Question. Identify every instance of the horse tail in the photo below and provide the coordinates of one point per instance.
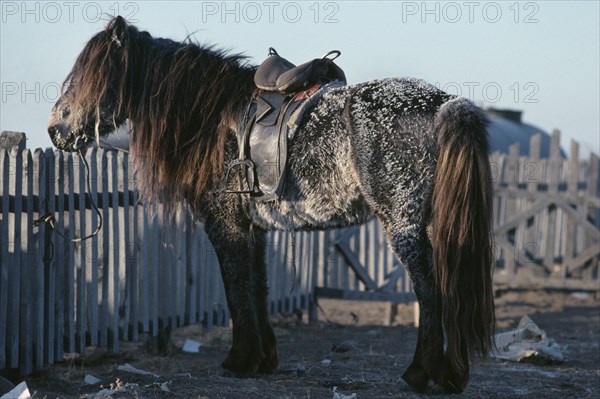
(462, 231)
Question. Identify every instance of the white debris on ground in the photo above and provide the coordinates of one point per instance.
(527, 342)
(91, 379)
(164, 386)
(19, 392)
(191, 346)
(118, 387)
(130, 369)
(339, 395)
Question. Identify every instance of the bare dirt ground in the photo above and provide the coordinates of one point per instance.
(371, 368)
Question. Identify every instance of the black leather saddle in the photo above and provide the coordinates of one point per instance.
(284, 92)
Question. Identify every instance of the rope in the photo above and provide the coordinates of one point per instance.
(50, 220)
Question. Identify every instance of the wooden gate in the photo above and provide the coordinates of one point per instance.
(359, 265)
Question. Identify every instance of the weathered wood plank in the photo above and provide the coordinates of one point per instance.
(552, 179)
(207, 286)
(145, 284)
(80, 255)
(155, 271)
(60, 247)
(579, 261)
(122, 315)
(122, 243)
(373, 255)
(592, 211)
(104, 276)
(355, 265)
(27, 270)
(6, 173)
(39, 232)
(535, 283)
(573, 179)
(533, 176)
(70, 287)
(180, 268)
(299, 290)
(191, 287)
(135, 263)
(91, 265)
(113, 255)
(512, 205)
(14, 241)
(394, 297)
(50, 262)
(550, 197)
(514, 221)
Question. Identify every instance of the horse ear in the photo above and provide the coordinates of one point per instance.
(119, 28)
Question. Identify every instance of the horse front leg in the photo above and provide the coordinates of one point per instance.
(269, 362)
(238, 253)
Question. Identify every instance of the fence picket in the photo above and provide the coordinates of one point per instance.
(91, 264)
(59, 251)
(27, 269)
(533, 231)
(70, 272)
(569, 232)
(121, 310)
(513, 169)
(38, 274)
(5, 172)
(80, 262)
(592, 192)
(14, 237)
(154, 272)
(50, 261)
(552, 176)
(105, 238)
(134, 254)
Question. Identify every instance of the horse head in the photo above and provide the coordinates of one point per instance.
(91, 103)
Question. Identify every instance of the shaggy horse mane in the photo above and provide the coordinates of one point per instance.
(179, 97)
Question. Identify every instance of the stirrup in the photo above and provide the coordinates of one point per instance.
(248, 169)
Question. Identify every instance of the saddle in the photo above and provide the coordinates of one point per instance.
(284, 92)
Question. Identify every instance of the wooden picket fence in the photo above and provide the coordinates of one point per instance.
(547, 222)
(140, 274)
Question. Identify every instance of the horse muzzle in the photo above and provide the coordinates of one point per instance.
(63, 136)
(64, 139)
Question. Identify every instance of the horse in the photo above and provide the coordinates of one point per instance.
(398, 149)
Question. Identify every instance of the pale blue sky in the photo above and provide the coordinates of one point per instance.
(542, 57)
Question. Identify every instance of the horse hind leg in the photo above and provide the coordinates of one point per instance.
(414, 250)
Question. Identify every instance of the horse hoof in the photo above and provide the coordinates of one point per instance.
(269, 364)
(242, 363)
(416, 377)
(453, 382)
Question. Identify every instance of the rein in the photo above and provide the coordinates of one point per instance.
(49, 218)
